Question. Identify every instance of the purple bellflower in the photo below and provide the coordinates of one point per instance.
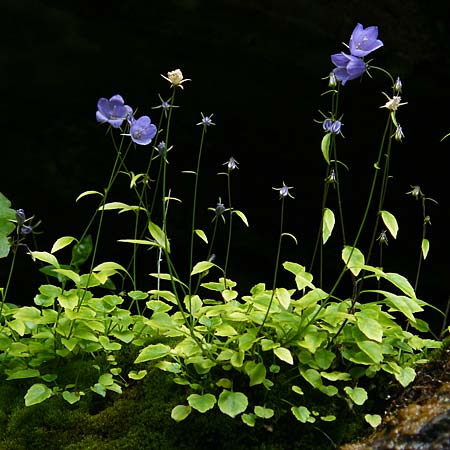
(113, 111)
(142, 131)
(348, 67)
(364, 40)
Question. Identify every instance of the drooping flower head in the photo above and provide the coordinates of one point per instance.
(364, 40)
(142, 131)
(348, 67)
(113, 111)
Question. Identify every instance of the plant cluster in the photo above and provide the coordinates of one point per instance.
(255, 356)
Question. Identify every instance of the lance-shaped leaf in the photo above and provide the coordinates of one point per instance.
(391, 223)
(328, 222)
(159, 236)
(325, 146)
(425, 248)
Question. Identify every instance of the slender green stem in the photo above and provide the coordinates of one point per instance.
(194, 209)
(277, 262)
(230, 227)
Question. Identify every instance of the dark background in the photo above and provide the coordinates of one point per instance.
(259, 67)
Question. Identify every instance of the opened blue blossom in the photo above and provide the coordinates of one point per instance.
(348, 67)
(364, 40)
(113, 111)
(142, 131)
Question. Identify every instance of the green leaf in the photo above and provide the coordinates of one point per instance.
(232, 403)
(71, 397)
(18, 374)
(325, 146)
(264, 413)
(37, 394)
(180, 412)
(372, 350)
(61, 243)
(425, 248)
(284, 354)
(249, 419)
(241, 215)
(374, 420)
(401, 282)
(369, 326)
(152, 351)
(283, 296)
(202, 403)
(391, 223)
(302, 414)
(201, 234)
(328, 222)
(405, 376)
(202, 266)
(357, 394)
(256, 372)
(46, 257)
(353, 259)
(159, 236)
(85, 193)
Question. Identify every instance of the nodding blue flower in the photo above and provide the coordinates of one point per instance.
(364, 40)
(382, 238)
(161, 147)
(231, 164)
(112, 111)
(336, 127)
(348, 67)
(26, 229)
(327, 124)
(142, 131)
(332, 126)
(165, 106)
(20, 217)
(284, 191)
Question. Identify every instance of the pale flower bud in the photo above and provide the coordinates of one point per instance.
(175, 77)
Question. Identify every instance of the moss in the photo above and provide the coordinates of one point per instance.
(140, 419)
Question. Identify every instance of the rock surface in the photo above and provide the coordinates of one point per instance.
(419, 419)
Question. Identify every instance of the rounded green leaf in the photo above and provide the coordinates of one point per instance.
(37, 394)
(202, 266)
(357, 394)
(302, 414)
(180, 412)
(232, 403)
(369, 326)
(373, 420)
(353, 259)
(264, 413)
(202, 403)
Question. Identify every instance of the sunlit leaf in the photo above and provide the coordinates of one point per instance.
(180, 412)
(202, 403)
(425, 248)
(328, 224)
(232, 403)
(374, 420)
(201, 234)
(357, 394)
(391, 223)
(37, 394)
(353, 259)
(61, 243)
(325, 146)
